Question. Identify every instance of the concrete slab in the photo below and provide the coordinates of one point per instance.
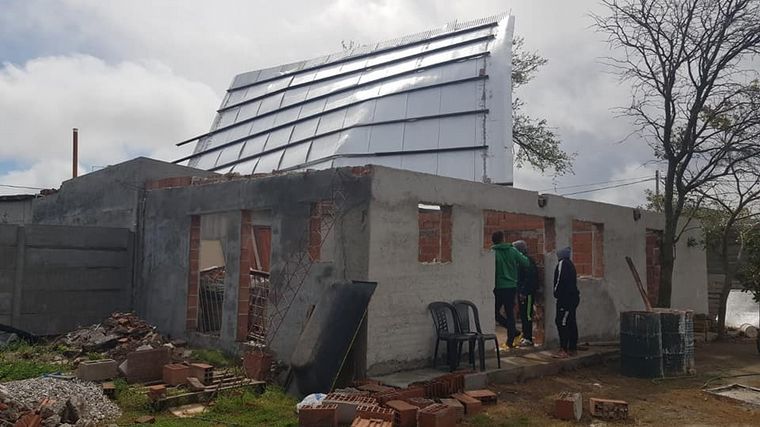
(513, 368)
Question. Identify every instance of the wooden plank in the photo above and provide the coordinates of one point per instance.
(639, 285)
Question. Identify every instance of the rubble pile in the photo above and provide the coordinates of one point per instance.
(118, 335)
(54, 402)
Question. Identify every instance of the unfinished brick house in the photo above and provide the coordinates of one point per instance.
(421, 237)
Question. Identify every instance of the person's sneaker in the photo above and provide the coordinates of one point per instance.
(526, 343)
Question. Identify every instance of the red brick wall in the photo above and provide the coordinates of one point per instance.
(193, 277)
(244, 278)
(654, 239)
(320, 211)
(588, 248)
(178, 181)
(435, 235)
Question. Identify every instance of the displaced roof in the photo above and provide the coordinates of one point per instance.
(437, 102)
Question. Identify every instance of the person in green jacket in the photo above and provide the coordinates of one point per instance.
(508, 262)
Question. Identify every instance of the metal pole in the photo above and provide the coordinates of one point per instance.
(75, 158)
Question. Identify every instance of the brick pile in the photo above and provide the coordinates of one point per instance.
(116, 336)
(441, 402)
(325, 415)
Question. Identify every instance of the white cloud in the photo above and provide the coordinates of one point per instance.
(122, 110)
(137, 79)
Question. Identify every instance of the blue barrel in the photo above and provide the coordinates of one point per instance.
(677, 342)
(640, 344)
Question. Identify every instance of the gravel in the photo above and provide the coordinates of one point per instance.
(87, 397)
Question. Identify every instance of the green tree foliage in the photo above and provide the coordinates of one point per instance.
(539, 144)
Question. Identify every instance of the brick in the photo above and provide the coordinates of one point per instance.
(436, 415)
(156, 392)
(175, 373)
(568, 406)
(362, 422)
(608, 409)
(406, 414)
(325, 415)
(374, 412)
(455, 406)
(471, 405)
(202, 371)
(147, 365)
(109, 389)
(97, 370)
(486, 397)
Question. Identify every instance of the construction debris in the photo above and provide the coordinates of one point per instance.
(116, 336)
(49, 401)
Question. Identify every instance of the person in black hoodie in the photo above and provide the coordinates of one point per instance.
(568, 297)
(527, 283)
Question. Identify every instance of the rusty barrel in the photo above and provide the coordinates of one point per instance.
(640, 344)
(677, 328)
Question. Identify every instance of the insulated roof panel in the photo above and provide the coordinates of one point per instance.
(419, 102)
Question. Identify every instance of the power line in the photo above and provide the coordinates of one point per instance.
(592, 183)
(609, 187)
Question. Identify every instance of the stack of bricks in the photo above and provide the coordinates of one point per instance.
(442, 386)
(325, 415)
(400, 394)
(471, 405)
(375, 388)
(419, 402)
(608, 409)
(347, 405)
(406, 414)
(486, 397)
(374, 412)
(568, 406)
(437, 415)
(455, 406)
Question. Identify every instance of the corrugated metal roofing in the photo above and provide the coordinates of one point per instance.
(437, 102)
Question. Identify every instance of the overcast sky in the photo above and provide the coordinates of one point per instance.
(138, 76)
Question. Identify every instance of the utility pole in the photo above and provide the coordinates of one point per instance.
(657, 183)
(75, 153)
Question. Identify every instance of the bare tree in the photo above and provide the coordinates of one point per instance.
(687, 61)
(730, 221)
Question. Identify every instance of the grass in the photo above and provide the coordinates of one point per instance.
(273, 408)
(213, 357)
(21, 360)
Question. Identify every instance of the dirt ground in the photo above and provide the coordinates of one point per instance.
(669, 402)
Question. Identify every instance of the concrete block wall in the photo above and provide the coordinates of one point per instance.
(288, 201)
(400, 329)
(55, 278)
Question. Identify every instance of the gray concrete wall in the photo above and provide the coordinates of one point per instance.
(54, 278)
(109, 197)
(400, 329)
(15, 209)
(162, 291)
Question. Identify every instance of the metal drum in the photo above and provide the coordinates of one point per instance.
(677, 342)
(640, 344)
